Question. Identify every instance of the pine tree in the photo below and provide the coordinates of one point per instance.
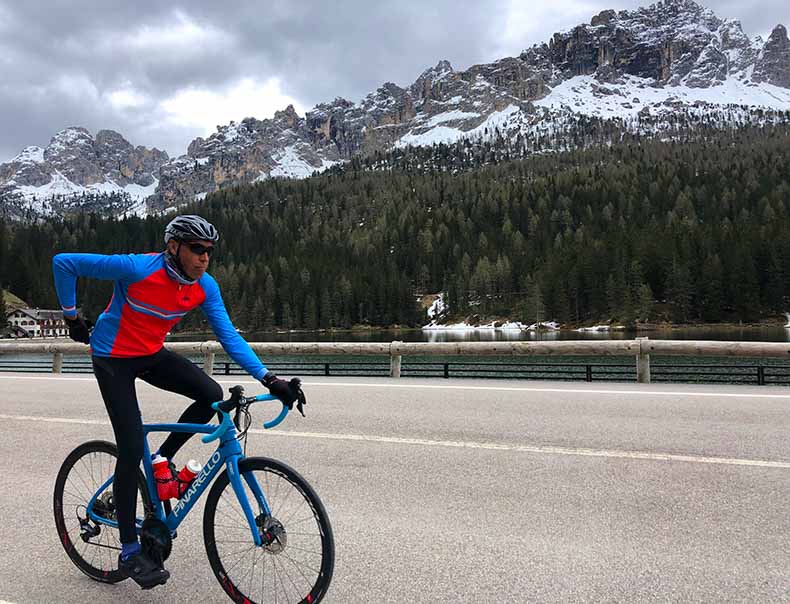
(679, 291)
(310, 313)
(712, 289)
(3, 308)
(644, 306)
(533, 307)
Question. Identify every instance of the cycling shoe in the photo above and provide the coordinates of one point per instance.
(145, 572)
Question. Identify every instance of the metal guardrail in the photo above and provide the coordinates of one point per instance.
(640, 348)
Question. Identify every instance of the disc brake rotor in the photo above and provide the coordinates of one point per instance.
(273, 534)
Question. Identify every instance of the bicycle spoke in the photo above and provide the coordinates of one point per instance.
(301, 549)
(301, 534)
(288, 575)
(235, 527)
(237, 515)
(282, 505)
(88, 488)
(243, 555)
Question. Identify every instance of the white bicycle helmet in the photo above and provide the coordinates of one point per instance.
(190, 227)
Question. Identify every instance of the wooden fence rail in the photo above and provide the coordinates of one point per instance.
(640, 348)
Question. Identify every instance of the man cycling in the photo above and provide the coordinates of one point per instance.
(152, 292)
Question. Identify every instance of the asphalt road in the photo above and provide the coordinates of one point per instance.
(461, 490)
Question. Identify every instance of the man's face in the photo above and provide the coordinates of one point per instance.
(193, 255)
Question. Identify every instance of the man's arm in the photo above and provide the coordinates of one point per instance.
(231, 341)
(67, 267)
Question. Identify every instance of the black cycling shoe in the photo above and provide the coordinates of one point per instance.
(145, 572)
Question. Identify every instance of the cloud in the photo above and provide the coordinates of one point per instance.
(162, 73)
(198, 108)
(182, 35)
(126, 98)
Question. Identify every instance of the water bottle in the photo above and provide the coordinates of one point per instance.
(164, 479)
(187, 475)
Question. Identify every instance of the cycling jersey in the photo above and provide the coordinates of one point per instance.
(145, 305)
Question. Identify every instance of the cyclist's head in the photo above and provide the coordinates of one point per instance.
(190, 241)
(190, 227)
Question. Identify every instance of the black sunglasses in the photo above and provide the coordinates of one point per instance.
(199, 250)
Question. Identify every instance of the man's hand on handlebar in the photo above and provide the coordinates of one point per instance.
(79, 329)
(288, 392)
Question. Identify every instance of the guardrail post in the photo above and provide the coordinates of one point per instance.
(208, 362)
(642, 364)
(57, 362)
(589, 373)
(395, 361)
(760, 375)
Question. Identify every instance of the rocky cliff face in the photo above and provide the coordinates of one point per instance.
(631, 65)
(637, 68)
(773, 63)
(76, 163)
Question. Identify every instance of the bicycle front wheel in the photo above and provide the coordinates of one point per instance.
(295, 562)
(93, 546)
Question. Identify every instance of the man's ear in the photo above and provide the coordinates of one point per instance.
(172, 245)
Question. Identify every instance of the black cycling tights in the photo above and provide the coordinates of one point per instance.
(165, 370)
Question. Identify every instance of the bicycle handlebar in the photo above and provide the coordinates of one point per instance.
(236, 399)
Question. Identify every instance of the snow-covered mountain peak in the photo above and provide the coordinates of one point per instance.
(30, 155)
(74, 163)
(663, 69)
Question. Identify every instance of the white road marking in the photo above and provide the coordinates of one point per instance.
(491, 388)
(544, 450)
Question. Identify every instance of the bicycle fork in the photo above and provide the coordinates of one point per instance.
(235, 477)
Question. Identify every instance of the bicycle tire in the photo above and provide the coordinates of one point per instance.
(79, 493)
(302, 588)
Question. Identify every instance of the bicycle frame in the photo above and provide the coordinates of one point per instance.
(228, 453)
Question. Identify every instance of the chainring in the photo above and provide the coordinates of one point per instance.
(155, 539)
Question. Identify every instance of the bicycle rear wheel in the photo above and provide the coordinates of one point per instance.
(295, 562)
(92, 546)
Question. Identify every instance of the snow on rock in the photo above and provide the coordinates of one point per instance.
(585, 95)
(544, 325)
(437, 308)
(600, 328)
(434, 136)
(291, 165)
(449, 116)
(33, 154)
(464, 326)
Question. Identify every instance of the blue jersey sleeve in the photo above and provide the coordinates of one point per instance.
(231, 341)
(67, 267)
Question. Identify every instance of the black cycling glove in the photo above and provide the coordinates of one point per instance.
(79, 329)
(288, 392)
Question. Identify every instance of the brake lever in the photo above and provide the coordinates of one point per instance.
(301, 401)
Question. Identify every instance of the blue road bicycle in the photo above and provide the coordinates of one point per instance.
(266, 532)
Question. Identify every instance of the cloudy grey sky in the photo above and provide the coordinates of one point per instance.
(163, 73)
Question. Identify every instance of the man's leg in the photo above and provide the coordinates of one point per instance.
(174, 373)
(116, 382)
